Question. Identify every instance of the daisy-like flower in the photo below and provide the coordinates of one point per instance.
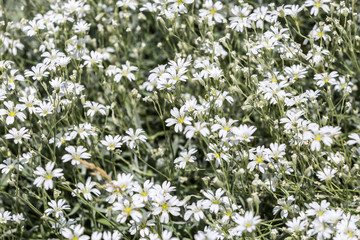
(46, 175)
(86, 189)
(57, 208)
(174, 76)
(164, 205)
(142, 192)
(323, 78)
(326, 174)
(197, 128)
(179, 5)
(246, 223)
(12, 77)
(355, 139)
(74, 233)
(178, 119)
(258, 156)
(286, 205)
(81, 27)
(8, 165)
(37, 72)
(196, 210)
(296, 225)
(94, 59)
(315, 209)
(13, 111)
(44, 109)
(123, 185)
(185, 157)
(317, 5)
(223, 126)
(75, 154)
(94, 107)
(243, 133)
(211, 10)
(213, 200)
(112, 142)
(18, 135)
(5, 217)
(133, 137)
(126, 71)
(128, 208)
(30, 102)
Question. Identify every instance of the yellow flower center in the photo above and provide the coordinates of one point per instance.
(48, 177)
(127, 210)
(318, 138)
(164, 206)
(217, 155)
(249, 224)
(259, 159)
(320, 34)
(12, 114)
(112, 146)
(144, 194)
(181, 120)
(213, 11)
(226, 128)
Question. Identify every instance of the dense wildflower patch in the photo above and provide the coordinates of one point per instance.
(179, 119)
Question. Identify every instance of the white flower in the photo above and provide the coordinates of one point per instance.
(213, 200)
(112, 142)
(18, 135)
(296, 225)
(316, 5)
(178, 119)
(57, 208)
(94, 107)
(185, 157)
(327, 174)
(355, 139)
(195, 210)
(86, 189)
(133, 137)
(223, 126)
(164, 205)
(44, 109)
(316, 209)
(13, 111)
(211, 11)
(75, 154)
(128, 208)
(126, 71)
(75, 233)
(5, 217)
(323, 78)
(46, 175)
(37, 72)
(246, 223)
(198, 127)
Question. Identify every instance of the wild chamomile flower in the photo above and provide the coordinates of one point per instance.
(75, 154)
(46, 175)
